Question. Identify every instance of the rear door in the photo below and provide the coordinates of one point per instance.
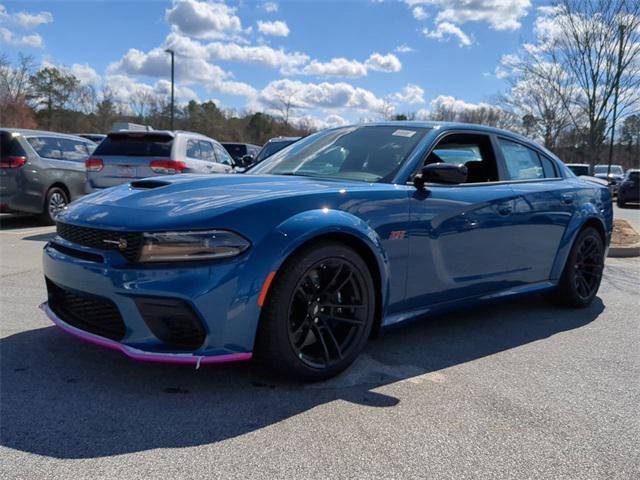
(544, 204)
(128, 155)
(209, 154)
(61, 161)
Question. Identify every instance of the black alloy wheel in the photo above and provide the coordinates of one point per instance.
(327, 312)
(582, 273)
(318, 314)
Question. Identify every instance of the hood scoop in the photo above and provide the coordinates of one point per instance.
(149, 184)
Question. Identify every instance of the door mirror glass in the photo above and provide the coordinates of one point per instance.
(441, 173)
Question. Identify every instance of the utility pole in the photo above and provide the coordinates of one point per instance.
(615, 95)
(172, 53)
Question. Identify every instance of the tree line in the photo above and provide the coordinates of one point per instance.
(575, 89)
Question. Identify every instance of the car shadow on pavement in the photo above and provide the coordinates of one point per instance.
(12, 222)
(66, 399)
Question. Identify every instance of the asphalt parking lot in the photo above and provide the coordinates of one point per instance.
(519, 390)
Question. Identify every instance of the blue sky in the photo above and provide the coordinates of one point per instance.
(333, 61)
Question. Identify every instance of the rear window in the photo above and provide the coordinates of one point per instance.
(60, 148)
(136, 145)
(235, 150)
(10, 146)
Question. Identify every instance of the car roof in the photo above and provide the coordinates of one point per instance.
(436, 125)
(30, 132)
(283, 139)
(239, 143)
(172, 133)
(577, 164)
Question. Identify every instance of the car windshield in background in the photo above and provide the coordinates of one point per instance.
(137, 145)
(368, 154)
(271, 148)
(615, 169)
(579, 169)
(235, 150)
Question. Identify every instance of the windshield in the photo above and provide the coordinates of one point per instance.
(271, 148)
(366, 153)
(236, 150)
(615, 169)
(579, 169)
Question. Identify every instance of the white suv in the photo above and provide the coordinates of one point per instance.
(129, 155)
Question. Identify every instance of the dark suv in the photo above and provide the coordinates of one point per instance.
(41, 172)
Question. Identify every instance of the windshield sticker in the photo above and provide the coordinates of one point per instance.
(404, 133)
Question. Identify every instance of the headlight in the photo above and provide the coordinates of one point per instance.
(187, 246)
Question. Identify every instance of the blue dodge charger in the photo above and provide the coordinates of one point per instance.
(309, 253)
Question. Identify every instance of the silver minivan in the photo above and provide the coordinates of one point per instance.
(41, 172)
(129, 155)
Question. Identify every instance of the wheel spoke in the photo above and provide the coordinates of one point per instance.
(334, 279)
(318, 334)
(351, 321)
(336, 345)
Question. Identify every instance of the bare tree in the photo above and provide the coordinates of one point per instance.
(596, 43)
(140, 100)
(14, 90)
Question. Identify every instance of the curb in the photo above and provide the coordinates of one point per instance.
(624, 251)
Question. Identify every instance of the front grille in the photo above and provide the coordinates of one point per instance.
(92, 314)
(128, 244)
(172, 321)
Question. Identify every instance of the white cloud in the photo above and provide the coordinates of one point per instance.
(270, 7)
(277, 28)
(324, 96)
(419, 13)
(445, 30)
(404, 48)
(33, 40)
(411, 94)
(383, 63)
(156, 63)
(337, 67)
(499, 14)
(32, 20)
(208, 20)
(85, 73)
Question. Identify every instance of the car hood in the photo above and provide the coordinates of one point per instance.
(180, 199)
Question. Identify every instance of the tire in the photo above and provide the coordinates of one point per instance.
(55, 200)
(302, 332)
(582, 273)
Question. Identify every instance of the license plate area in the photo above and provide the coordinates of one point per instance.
(126, 172)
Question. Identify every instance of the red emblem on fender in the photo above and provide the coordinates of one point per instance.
(398, 235)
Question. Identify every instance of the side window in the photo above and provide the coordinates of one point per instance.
(193, 148)
(73, 150)
(206, 151)
(473, 151)
(548, 167)
(522, 163)
(222, 156)
(46, 147)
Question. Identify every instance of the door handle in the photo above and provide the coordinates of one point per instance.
(567, 198)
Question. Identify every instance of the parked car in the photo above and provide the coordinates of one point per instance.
(274, 145)
(629, 190)
(128, 155)
(300, 259)
(242, 153)
(94, 137)
(41, 172)
(614, 176)
(579, 168)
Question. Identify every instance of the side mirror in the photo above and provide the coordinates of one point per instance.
(246, 160)
(441, 173)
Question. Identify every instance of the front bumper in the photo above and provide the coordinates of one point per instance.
(138, 354)
(222, 299)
